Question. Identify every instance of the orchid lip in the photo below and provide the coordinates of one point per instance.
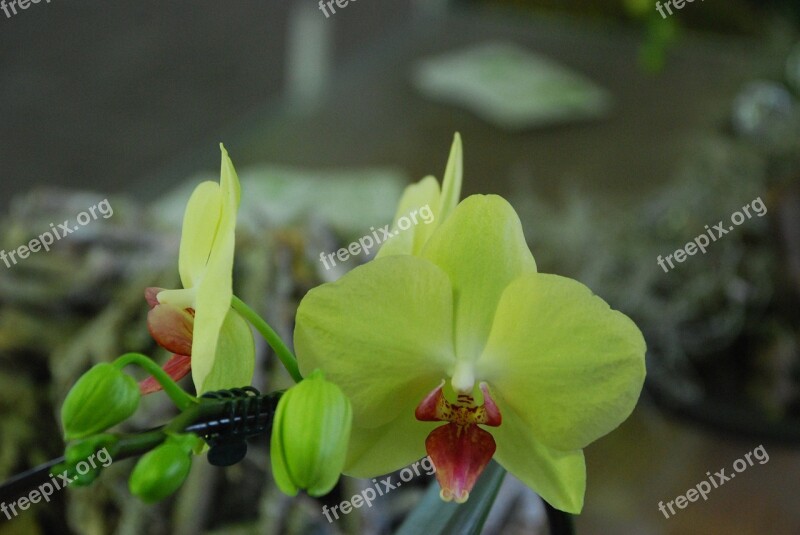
(460, 450)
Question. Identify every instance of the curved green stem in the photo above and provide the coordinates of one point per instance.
(284, 354)
(178, 396)
(138, 444)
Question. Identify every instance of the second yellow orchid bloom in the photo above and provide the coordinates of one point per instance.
(197, 322)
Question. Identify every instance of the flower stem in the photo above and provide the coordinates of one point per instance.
(281, 350)
(138, 444)
(178, 396)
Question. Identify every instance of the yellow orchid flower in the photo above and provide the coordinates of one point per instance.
(454, 343)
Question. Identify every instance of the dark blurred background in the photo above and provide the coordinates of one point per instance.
(130, 100)
(109, 94)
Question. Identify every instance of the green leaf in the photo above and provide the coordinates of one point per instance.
(436, 517)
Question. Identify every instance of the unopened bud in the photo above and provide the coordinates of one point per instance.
(159, 473)
(102, 398)
(310, 435)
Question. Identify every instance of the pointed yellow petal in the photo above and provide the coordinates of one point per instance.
(215, 289)
(453, 177)
(229, 180)
(200, 223)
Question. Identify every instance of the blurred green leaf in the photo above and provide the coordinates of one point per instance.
(434, 516)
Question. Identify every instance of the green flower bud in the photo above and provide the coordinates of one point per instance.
(102, 398)
(160, 472)
(310, 435)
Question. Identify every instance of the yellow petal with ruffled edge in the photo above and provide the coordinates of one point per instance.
(559, 477)
(571, 367)
(482, 249)
(383, 333)
(384, 449)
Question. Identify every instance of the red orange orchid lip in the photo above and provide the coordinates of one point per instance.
(171, 327)
(460, 449)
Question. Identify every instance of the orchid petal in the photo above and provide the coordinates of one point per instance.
(214, 291)
(234, 361)
(451, 182)
(171, 327)
(177, 367)
(229, 180)
(459, 453)
(559, 477)
(415, 197)
(569, 365)
(482, 249)
(383, 333)
(423, 195)
(384, 449)
(200, 223)
(181, 298)
(151, 296)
